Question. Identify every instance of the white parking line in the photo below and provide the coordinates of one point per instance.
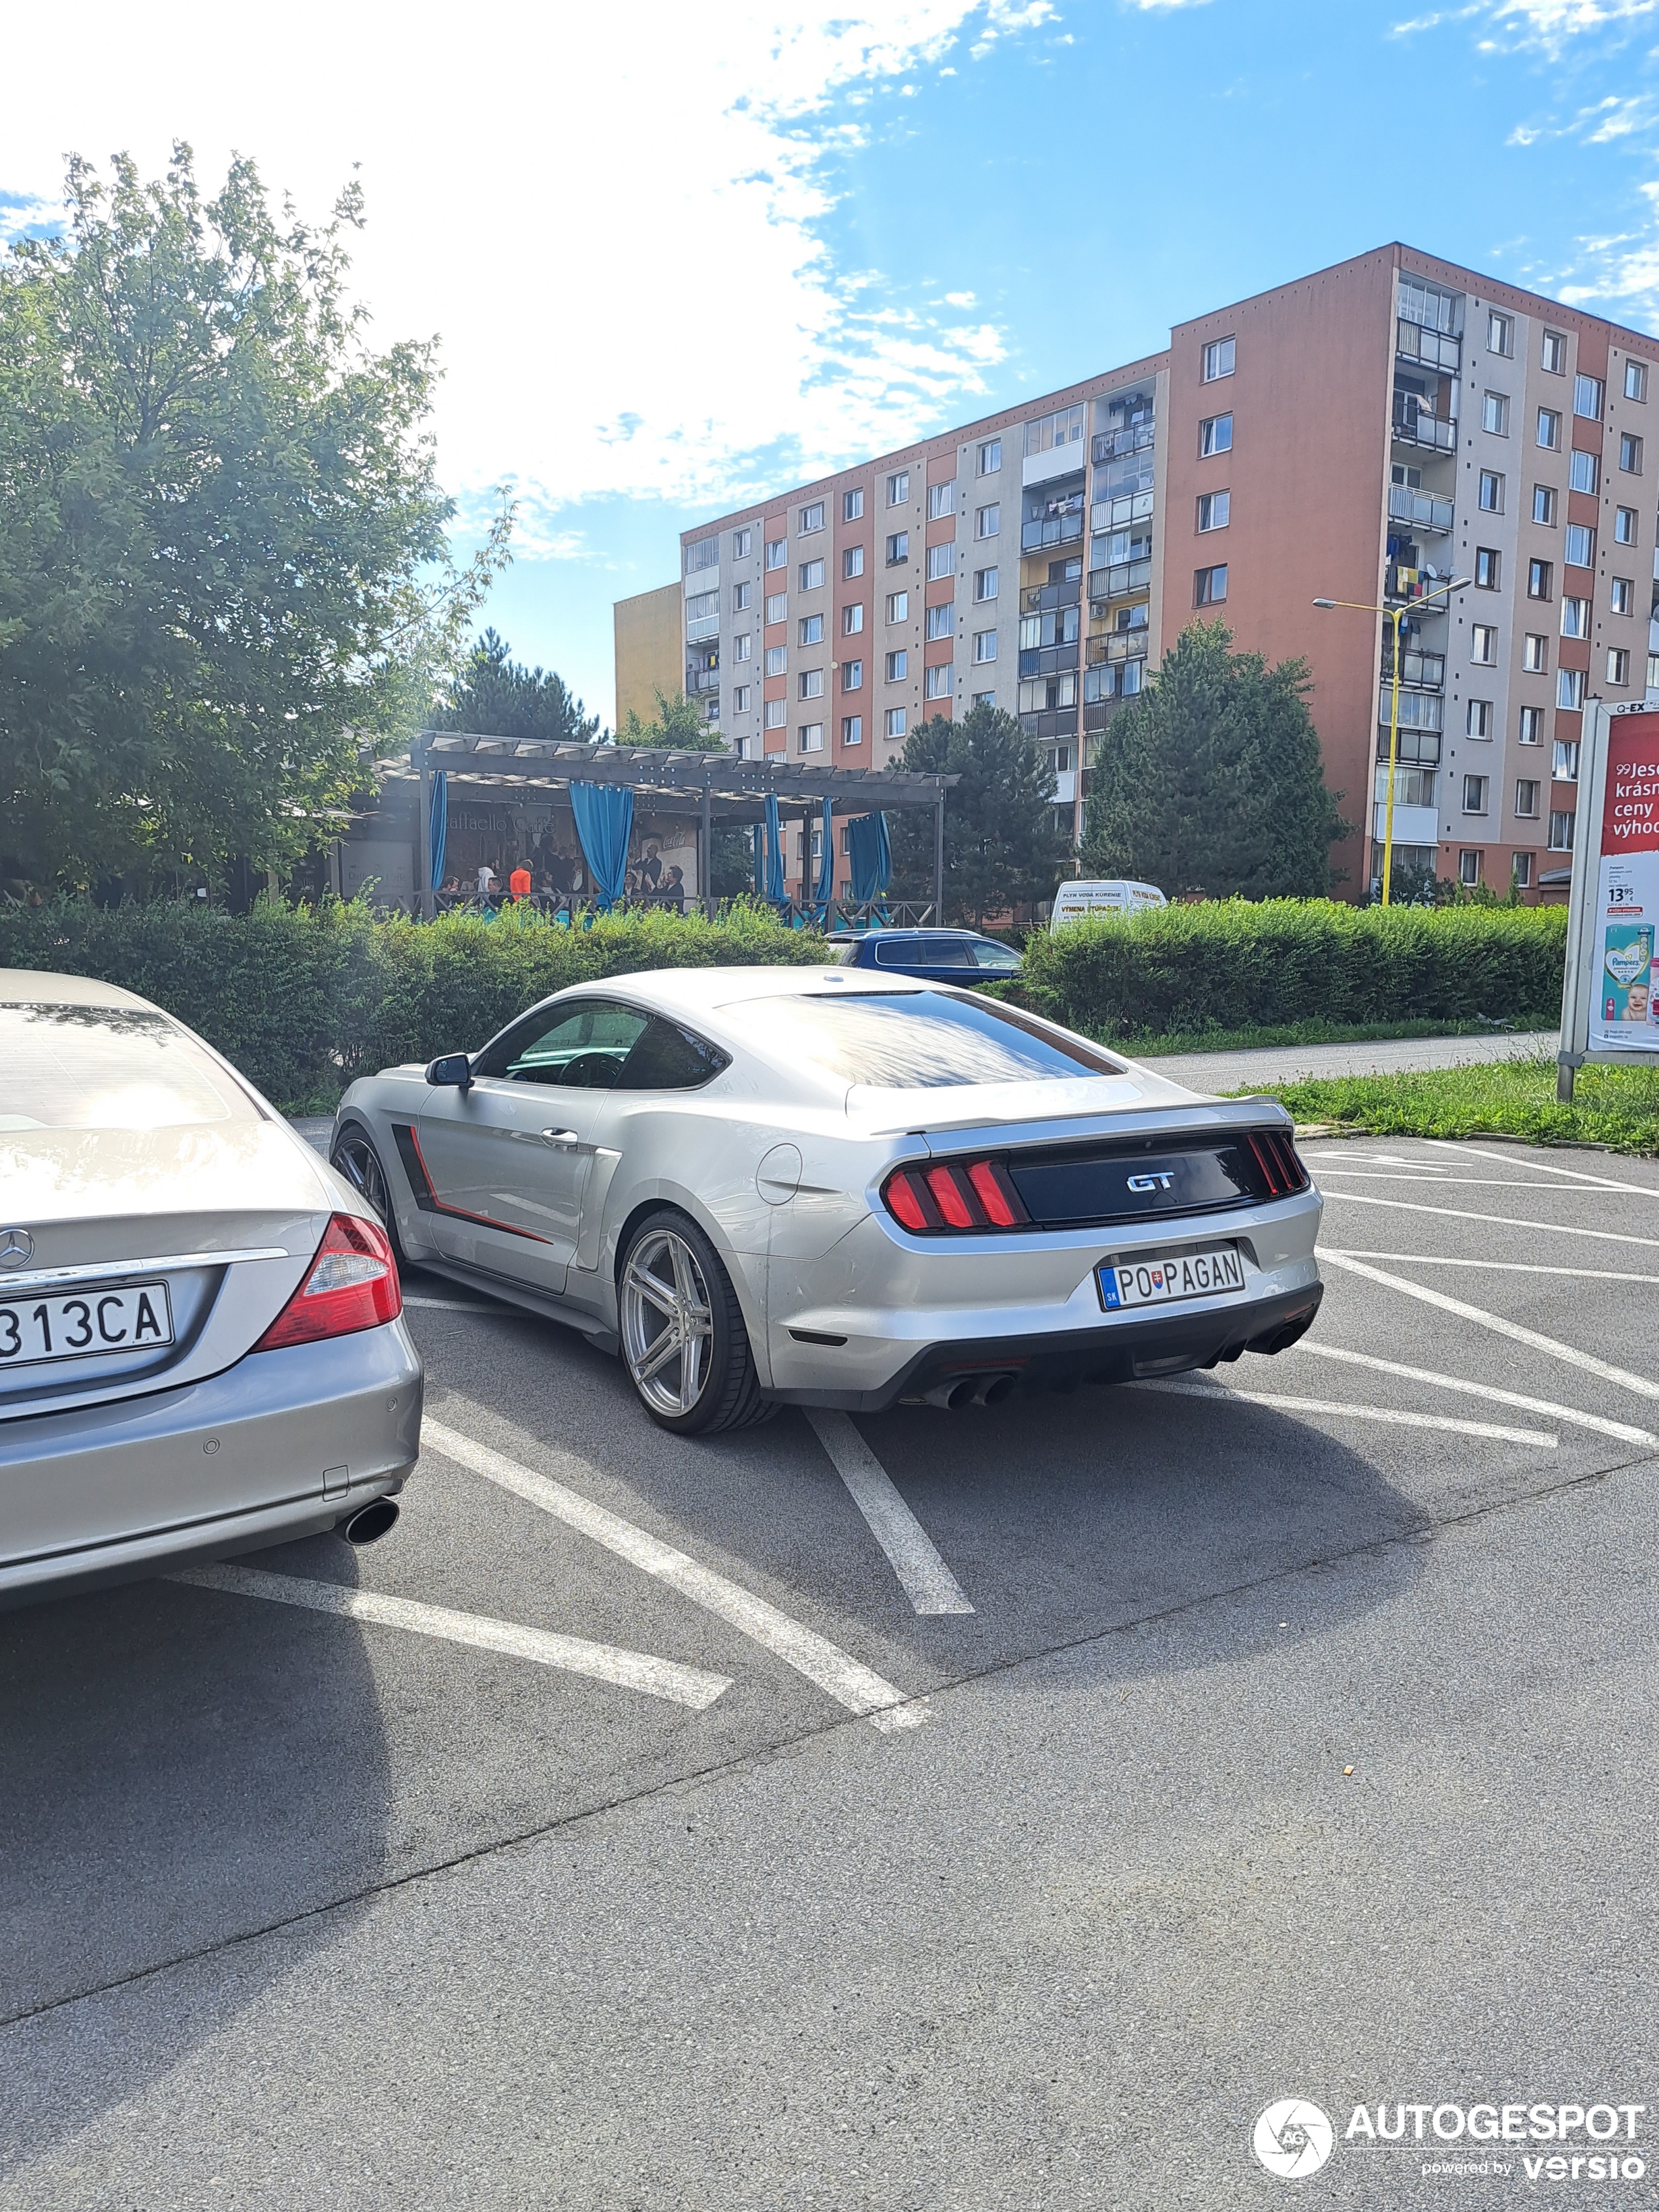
(1442, 1180)
(1599, 1422)
(1501, 1267)
(833, 1670)
(575, 1654)
(928, 1582)
(1498, 1220)
(1392, 1417)
(1640, 1383)
(1542, 1167)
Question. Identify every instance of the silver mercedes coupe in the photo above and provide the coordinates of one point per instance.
(827, 1187)
(201, 1347)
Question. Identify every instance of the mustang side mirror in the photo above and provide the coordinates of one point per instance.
(452, 1068)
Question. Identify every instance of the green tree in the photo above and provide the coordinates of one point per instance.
(224, 568)
(1001, 847)
(1211, 779)
(494, 696)
(680, 726)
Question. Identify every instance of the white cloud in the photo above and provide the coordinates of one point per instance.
(1544, 25)
(616, 222)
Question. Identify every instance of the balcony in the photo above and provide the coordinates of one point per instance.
(1418, 510)
(701, 680)
(1048, 660)
(1418, 710)
(1119, 580)
(1055, 722)
(1121, 513)
(1046, 598)
(1413, 425)
(704, 626)
(1120, 679)
(1434, 349)
(1118, 444)
(1412, 825)
(1065, 786)
(1052, 530)
(1402, 583)
(1121, 645)
(1417, 748)
(1426, 671)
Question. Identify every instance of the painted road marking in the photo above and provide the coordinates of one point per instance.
(1498, 1220)
(575, 1654)
(833, 1670)
(928, 1582)
(1540, 1167)
(1442, 1180)
(1502, 1267)
(1599, 1422)
(1390, 1416)
(1641, 1384)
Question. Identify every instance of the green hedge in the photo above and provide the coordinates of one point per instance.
(301, 999)
(1228, 964)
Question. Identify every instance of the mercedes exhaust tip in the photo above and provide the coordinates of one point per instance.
(371, 1522)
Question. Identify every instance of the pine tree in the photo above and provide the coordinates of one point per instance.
(1001, 847)
(496, 696)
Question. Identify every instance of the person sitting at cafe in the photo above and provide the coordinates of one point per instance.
(519, 881)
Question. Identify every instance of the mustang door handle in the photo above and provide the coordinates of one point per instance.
(565, 1139)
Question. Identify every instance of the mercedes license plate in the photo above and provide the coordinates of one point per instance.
(74, 1324)
(1166, 1282)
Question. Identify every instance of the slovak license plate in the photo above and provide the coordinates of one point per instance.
(1166, 1282)
(74, 1324)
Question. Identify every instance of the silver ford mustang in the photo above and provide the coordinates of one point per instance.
(825, 1186)
(201, 1350)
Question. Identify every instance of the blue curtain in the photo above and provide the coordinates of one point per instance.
(826, 886)
(774, 890)
(760, 861)
(438, 825)
(870, 853)
(604, 822)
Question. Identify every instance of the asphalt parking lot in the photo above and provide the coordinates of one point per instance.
(970, 1809)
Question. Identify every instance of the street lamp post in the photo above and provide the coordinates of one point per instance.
(1395, 616)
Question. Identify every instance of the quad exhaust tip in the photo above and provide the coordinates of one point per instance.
(371, 1522)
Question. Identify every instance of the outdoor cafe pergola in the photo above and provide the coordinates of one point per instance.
(695, 792)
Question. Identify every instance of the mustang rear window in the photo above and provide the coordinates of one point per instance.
(107, 1067)
(917, 1040)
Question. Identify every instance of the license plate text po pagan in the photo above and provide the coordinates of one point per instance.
(1162, 1282)
(73, 1325)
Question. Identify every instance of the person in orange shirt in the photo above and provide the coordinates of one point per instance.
(519, 881)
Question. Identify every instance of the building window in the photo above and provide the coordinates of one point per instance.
(1210, 585)
(1561, 821)
(936, 683)
(898, 486)
(941, 501)
(1621, 595)
(1553, 354)
(898, 666)
(1520, 871)
(1563, 762)
(1636, 380)
(1532, 725)
(811, 629)
(741, 645)
(985, 583)
(1570, 688)
(1218, 358)
(1488, 568)
(985, 645)
(741, 541)
(1579, 545)
(811, 683)
(898, 606)
(852, 729)
(1587, 397)
(852, 676)
(941, 562)
(983, 699)
(898, 549)
(777, 606)
(852, 561)
(811, 519)
(990, 457)
(1477, 723)
(1468, 865)
(1535, 654)
(1624, 525)
(1491, 491)
(1549, 429)
(777, 553)
(896, 722)
(1500, 332)
(988, 520)
(1495, 414)
(1541, 576)
(1526, 798)
(1483, 645)
(1630, 454)
(1063, 427)
(1653, 672)
(811, 575)
(742, 595)
(703, 606)
(1583, 472)
(1575, 617)
(1543, 505)
(777, 659)
(1474, 794)
(1215, 435)
(776, 713)
(811, 737)
(852, 620)
(706, 554)
(942, 621)
(1214, 509)
(852, 504)
(1618, 666)
(741, 698)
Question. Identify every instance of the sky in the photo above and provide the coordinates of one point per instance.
(677, 256)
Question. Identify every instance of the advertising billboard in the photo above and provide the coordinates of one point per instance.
(1610, 1006)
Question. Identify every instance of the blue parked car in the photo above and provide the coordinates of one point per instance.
(931, 956)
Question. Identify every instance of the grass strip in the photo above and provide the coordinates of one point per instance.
(1149, 1046)
(1618, 1107)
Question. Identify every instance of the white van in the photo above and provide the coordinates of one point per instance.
(1074, 902)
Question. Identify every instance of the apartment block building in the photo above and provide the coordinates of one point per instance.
(1366, 433)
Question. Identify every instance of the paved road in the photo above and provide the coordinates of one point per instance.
(1236, 1071)
(1297, 1742)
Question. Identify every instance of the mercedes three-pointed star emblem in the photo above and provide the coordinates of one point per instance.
(16, 1246)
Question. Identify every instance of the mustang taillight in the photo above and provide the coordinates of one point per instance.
(351, 1283)
(961, 1195)
(1276, 1158)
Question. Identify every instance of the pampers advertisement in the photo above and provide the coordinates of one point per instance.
(1624, 1009)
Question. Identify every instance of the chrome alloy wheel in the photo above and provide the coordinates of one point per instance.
(667, 1327)
(357, 1160)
